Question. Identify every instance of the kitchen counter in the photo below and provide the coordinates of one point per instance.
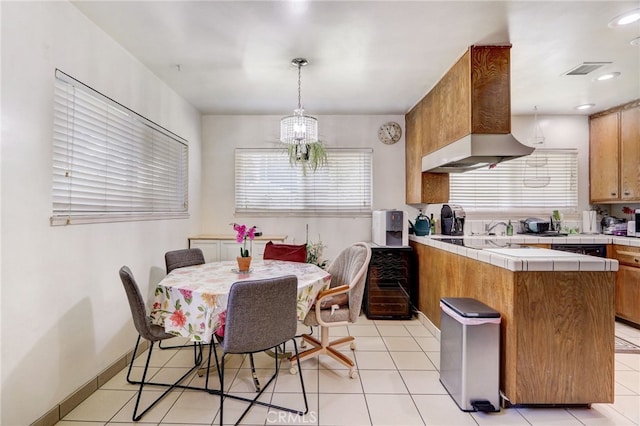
(557, 309)
(512, 254)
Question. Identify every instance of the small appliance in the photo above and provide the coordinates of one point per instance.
(390, 228)
(631, 229)
(452, 220)
(534, 225)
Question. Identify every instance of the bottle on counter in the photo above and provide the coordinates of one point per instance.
(509, 229)
(432, 224)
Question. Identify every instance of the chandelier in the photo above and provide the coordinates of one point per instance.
(299, 129)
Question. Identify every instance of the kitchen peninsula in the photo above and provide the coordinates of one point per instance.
(557, 309)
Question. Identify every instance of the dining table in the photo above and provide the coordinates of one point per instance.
(191, 301)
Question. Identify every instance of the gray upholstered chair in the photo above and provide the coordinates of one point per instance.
(339, 305)
(153, 333)
(261, 315)
(182, 258)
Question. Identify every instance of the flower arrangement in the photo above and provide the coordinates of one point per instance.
(242, 235)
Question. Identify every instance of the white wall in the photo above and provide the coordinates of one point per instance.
(222, 134)
(64, 313)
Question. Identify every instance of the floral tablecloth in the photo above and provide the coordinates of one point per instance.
(188, 301)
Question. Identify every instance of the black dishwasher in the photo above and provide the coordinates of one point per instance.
(599, 250)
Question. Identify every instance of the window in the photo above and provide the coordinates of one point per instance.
(267, 183)
(111, 164)
(546, 179)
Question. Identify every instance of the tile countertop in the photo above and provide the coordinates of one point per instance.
(533, 258)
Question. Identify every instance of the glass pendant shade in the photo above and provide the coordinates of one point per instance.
(298, 128)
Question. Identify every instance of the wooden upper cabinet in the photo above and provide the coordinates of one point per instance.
(413, 155)
(421, 188)
(614, 154)
(473, 97)
(603, 158)
(630, 154)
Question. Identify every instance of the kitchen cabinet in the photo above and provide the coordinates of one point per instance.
(472, 97)
(627, 293)
(421, 187)
(556, 331)
(225, 247)
(614, 155)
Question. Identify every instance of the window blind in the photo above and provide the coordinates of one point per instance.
(265, 182)
(109, 163)
(543, 180)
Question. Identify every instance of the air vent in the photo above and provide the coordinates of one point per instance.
(586, 67)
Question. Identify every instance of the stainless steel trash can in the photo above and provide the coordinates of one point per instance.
(470, 353)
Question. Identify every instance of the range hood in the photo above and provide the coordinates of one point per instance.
(474, 151)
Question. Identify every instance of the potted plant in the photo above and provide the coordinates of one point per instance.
(242, 235)
(309, 155)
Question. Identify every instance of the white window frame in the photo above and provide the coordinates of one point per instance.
(111, 164)
(267, 184)
(507, 187)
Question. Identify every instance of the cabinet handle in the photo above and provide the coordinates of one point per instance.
(613, 194)
(626, 193)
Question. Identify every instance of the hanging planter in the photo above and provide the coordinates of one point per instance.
(311, 156)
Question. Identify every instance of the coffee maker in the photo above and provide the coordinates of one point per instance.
(390, 228)
(452, 220)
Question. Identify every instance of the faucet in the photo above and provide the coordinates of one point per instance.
(488, 228)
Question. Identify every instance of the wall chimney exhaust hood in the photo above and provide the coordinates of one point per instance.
(474, 151)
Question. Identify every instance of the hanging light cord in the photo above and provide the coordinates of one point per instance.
(299, 85)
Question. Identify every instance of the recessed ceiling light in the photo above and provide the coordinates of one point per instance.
(626, 18)
(635, 41)
(608, 76)
(585, 106)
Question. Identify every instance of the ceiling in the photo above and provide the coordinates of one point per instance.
(371, 57)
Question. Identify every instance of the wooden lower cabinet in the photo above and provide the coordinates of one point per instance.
(627, 299)
(557, 328)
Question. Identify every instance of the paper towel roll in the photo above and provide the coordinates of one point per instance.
(589, 222)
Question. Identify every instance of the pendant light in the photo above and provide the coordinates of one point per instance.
(299, 129)
(536, 174)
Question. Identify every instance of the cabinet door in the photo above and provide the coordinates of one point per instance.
(630, 154)
(603, 158)
(210, 249)
(627, 293)
(413, 155)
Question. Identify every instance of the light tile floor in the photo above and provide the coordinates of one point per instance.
(398, 384)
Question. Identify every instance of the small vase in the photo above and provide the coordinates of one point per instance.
(244, 263)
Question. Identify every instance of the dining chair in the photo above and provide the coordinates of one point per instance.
(288, 252)
(180, 259)
(261, 315)
(339, 305)
(152, 333)
(184, 257)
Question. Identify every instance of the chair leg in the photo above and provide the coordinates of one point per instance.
(142, 383)
(256, 382)
(255, 401)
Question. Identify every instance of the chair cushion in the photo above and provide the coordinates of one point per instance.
(288, 252)
(341, 300)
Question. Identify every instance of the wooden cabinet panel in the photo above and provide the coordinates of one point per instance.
(413, 155)
(603, 158)
(490, 89)
(630, 154)
(556, 328)
(627, 282)
(628, 293)
(614, 154)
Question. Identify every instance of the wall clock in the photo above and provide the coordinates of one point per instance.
(389, 133)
